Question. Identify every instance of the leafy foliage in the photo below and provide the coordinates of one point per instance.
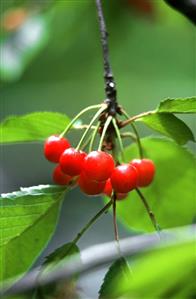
(171, 195)
(162, 273)
(170, 126)
(32, 127)
(186, 105)
(28, 219)
(55, 260)
(118, 270)
(62, 252)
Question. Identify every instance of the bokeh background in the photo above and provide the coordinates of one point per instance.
(51, 60)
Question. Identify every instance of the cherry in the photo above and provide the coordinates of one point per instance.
(124, 178)
(71, 161)
(54, 146)
(60, 177)
(121, 196)
(98, 165)
(146, 171)
(90, 187)
(108, 191)
(108, 188)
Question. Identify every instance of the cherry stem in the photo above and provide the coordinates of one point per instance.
(81, 127)
(116, 235)
(149, 211)
(119, 138)
(103, 107)
(107, 123)
(86, 143)
(92, 138)
(136, 134)
(78, 115)
(129, 134)
(92, 220)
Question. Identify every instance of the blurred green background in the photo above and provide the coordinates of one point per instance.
(51, 60)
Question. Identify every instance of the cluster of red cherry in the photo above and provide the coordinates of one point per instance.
(96, 173)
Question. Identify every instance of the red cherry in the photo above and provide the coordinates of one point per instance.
(124, 178)
(54, 146)
(121, 196)
(60, 177)
(146, 171)
(108, 191)
(90, 187)
(98, 165)
(71, 161)
(108, 188)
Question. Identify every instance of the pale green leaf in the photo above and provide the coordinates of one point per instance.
(35, 126)
(172, 194)
(169, 125)
(184, 105)
(27, 221)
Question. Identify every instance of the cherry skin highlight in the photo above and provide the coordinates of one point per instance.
(146, 171)
(54, 146)
(98, 165)
(124, 178)
(72, 161)
(59, 177)
(90, 187)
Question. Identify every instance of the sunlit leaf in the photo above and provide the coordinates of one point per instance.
(162, 273)
(170, 126)
(183, 105)
(32, 127)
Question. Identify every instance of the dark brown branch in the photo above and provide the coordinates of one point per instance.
(110, 86)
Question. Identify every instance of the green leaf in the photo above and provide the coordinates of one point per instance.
(53, 261)
(171, 195)
(32, 127)
(27, 222)
(162, 273)
(62, 252)
(187, 105)
(118, 270)
(170, 126)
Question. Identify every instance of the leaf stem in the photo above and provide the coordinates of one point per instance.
(92, 220)
(78, 115)
(149, 211)
(141, 154)
(118, 137)
(116, 235)
(108, 121)
(103, 107)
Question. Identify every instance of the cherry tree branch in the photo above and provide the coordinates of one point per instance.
(110, 86)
